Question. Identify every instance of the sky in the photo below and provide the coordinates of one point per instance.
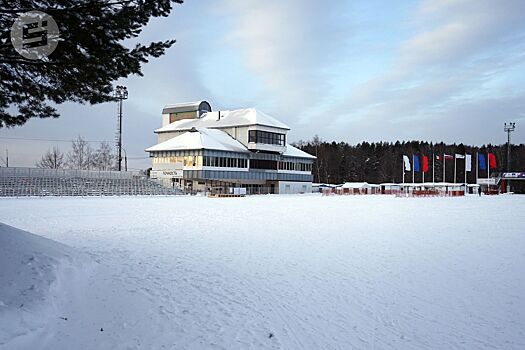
(433, 70)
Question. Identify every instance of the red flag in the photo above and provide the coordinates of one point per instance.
(492, 161)
(425, 164)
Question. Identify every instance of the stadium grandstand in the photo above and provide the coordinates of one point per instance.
(22, 182)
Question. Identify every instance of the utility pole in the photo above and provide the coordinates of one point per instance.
(508, 128)
(121, 94)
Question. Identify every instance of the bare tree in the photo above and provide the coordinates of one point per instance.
(103, 158)
(4, 161)
(52, 159)
(81, 155)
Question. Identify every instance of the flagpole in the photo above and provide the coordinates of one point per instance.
(423, 179)
(433, 168)
(466, 171)
(444, 167)
(477, 165)
(488, 167)
(413, 169)
(455, 158)
(403, 169)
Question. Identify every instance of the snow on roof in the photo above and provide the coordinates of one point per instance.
(292, 151)
(238, 117)
(426, 184)
(200, 139)
(356, 185)
(184, 104)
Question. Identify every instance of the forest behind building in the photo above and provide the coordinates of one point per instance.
(380, 162)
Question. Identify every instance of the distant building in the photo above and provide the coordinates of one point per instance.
(218, 151)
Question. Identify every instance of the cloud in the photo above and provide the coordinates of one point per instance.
(289, 45)
(461, 56)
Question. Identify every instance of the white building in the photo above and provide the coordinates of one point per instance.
(218, 151)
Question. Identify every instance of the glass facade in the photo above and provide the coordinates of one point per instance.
(225, 162)
(257, 166)
(270, 138)
(185, 160)
(295, 166)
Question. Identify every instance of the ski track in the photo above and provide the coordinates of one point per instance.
(366, 272)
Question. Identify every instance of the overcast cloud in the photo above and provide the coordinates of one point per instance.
(451, 70)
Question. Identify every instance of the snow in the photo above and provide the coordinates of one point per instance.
(201, 138)
(274, 272)
(356, 185)
(292, 151)
(238, 117)
(33, 274)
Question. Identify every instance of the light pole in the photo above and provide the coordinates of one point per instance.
(121, 94)
(508, 128)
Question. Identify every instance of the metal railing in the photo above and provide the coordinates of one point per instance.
(68, 173)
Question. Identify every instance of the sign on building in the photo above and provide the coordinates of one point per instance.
(513, 176)
(491, 181)
(166, 174)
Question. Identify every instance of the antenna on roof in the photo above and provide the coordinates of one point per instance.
(193, 129)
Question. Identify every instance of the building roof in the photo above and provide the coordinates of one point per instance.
(356, 185)
(200, 139)
(184, 107)
(292, 151)
(238, 117)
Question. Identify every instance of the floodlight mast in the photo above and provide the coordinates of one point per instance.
(509, 128)
(121, 93)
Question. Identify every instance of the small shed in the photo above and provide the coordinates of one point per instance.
(355, 188)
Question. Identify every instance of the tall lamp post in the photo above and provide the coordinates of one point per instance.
(508, 128)
(121, 94)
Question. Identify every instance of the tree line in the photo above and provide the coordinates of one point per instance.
(81, 156)
(380, 162)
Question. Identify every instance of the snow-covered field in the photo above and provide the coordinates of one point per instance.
(290, 272)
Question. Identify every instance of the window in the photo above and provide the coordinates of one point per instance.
(270, 138)
(263, 164)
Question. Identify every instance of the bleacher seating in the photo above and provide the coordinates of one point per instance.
(21, 186)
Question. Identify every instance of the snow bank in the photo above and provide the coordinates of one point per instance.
(33, 277)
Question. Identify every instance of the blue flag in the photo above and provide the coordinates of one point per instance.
(416, 163)
(482, 164)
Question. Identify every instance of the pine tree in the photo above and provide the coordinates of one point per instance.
(89, 58)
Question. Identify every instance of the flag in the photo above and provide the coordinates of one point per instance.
(460, 156)
(447, 157)
(482, 164)
(468, 162)
(407, 163)
(416, 163)
(425, 164)
(492, 161)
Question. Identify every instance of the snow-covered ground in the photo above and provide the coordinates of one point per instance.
(290, 272)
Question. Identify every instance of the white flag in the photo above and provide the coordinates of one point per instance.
(468, 163)
(406, 160)
(460, 156)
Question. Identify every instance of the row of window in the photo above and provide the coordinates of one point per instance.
(271, 138)
(225, 162)
(185, 160)
(295, 166)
